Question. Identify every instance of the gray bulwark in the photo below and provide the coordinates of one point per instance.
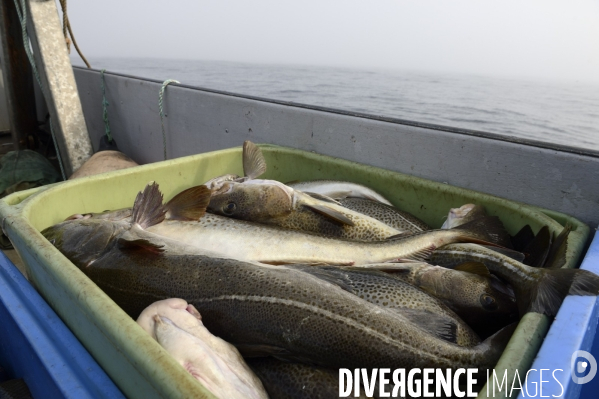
(198, 120)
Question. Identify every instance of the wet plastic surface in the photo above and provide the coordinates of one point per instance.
(574, 329)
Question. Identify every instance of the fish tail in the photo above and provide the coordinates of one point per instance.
(147, 208)
(554, 285)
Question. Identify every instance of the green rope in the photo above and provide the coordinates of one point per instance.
(160, 98)
(22, 14)
(105, 108)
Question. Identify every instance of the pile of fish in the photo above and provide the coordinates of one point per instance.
(306, 278)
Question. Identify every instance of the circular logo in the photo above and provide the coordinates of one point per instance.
(580, 367)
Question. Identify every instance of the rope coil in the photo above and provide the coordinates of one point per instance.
(160, 101)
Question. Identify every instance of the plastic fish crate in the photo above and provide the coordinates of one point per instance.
(138, 365)
(574, 329)
(36, 346)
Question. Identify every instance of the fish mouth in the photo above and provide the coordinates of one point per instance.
(193, 311)
(461, 211)
(217, 183)
(79, 216)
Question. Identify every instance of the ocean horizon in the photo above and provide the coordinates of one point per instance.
(555, 112)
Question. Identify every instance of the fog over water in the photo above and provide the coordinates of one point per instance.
(526, 69)
(562, 113)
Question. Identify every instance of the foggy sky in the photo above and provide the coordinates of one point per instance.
(557, 40)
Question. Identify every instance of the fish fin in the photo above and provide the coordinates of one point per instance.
(557, 253)
(260, 350)
(502, 286)
(254, 163)
(403, 260)
(291, 262)
(139, 244)
(189, 204)
(291, 182)
(510, 253)
(332, 214)
(390, 267)
(538, 249)
(522, 238)
(474, 268)
(322, 197)
(552, 287)
(403, 234)
(330, 275)
(422, 255)
(440, 326)
(488, 228)
(147, 208)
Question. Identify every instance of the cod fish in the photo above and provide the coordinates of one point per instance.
(274, 245)
(271, 202)
(261, 309)
(217, 364)
(386, 290)
(391, 216)
(537, 290)
(254, 165)
(339, 190)
(483, 301)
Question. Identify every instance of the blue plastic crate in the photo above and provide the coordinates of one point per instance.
(36, 345)
(573, 329)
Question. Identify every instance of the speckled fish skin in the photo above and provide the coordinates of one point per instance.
(388, 291)
(252, 304)
(271, 202)
(273, 245)
(284, 380)
(537, 290)
(483, 302)
(339, 189)
(387, 214)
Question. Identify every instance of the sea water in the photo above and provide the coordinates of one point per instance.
(565, 113)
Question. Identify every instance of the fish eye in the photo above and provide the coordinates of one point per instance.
(229, 208)
(488, 302)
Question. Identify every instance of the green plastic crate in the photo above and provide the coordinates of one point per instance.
(137, 364)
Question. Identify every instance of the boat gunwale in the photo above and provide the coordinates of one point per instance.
(397, 121)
